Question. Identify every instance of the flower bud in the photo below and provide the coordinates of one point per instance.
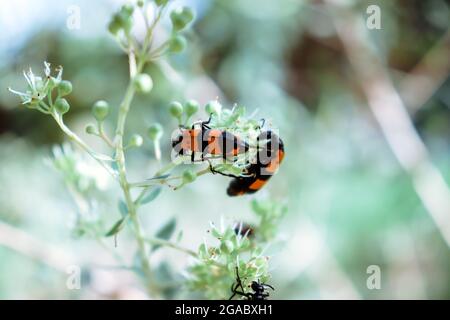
(114, 26)
(176, 109)
(53, 82)
(127, 23)
(189, 176)
(136, 140)
(100, 110)
(62, 106)
(161, 2)
(140, 3)
(127, 9)
(227, 246)
(91, 129)
(121, 20)
(177, 44)
(181, 17)
(143, 83)
(191, 107)
(213, 107)
(64, 88)
(155, 132)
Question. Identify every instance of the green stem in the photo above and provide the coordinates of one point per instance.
(132, 209)
(120, 160)
(81, 143)
(103, 136)
(151, 183)
(169, 244)
(162, 171)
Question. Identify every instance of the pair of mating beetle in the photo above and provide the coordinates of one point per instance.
(222, 143)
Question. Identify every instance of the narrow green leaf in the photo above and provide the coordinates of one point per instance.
(165, 232)
(116, 227)
(151, 195)
(123, 208)
(160, 177)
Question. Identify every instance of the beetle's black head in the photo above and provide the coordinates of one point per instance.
(256, 286)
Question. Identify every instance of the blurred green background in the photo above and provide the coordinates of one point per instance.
(351, 203)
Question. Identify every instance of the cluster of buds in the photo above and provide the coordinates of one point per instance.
(40, 91)
(181, 17)
(122, 21)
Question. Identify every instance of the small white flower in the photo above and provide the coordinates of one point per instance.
(38, 88)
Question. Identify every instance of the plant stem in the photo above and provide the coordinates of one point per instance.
(160, 172)
(120, 161)
(102, 135)
(132, 209)
(81, 143)
(169, 244)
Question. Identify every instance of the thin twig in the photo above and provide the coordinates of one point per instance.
(103, 136)
(169, 244)
(394, 121)
(427, 76)
(34, 248)
(59, 120)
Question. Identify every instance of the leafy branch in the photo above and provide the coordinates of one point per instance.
(47, 95)
(41, 92)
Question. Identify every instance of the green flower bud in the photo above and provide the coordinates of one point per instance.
(181, 17)
(127, 9)
(136, 140)
(189, 176)
(176, 109)
(64, 88)
(140, 3)
(62, 106)
(143, 83)
(53, 82)
(123, 20)
(177, 44)
(227, 246)
(127, 25)
(191, 107)
(155, 132)
(114, 26)
(100, 110)
(213, 107)
(161, 2)
(91, 129)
